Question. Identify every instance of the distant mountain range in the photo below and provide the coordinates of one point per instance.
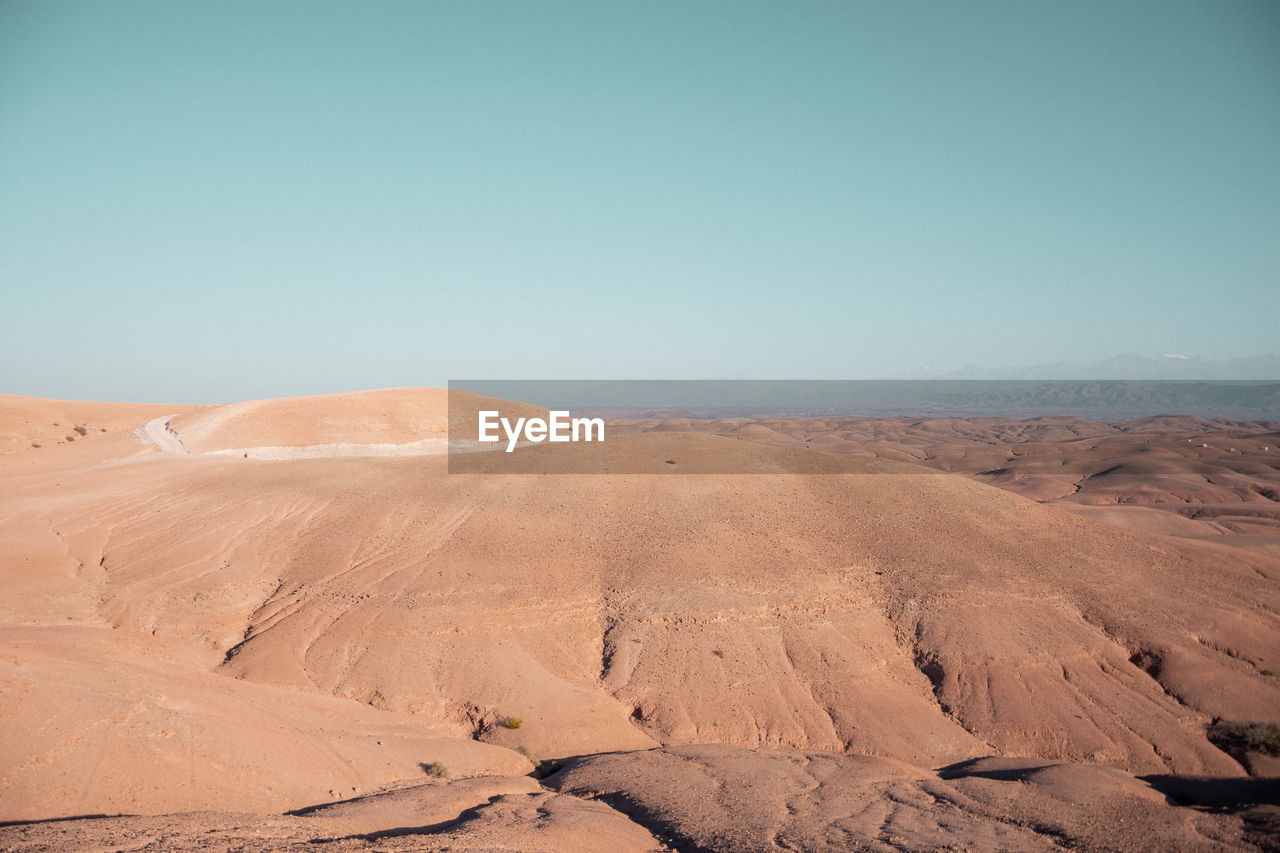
(1130, 366)
(1107, 399)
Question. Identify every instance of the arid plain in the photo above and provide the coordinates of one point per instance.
(263, 625)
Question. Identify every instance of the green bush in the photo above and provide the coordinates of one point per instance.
(435, 769)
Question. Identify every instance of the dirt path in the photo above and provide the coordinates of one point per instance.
(159, 433)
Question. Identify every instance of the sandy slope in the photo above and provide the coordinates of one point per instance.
(210, 632)
(105, 731)
(393, 416)
(478, 815)
(1203, 477)
(26, 422)
(732, 800)
(721, 798)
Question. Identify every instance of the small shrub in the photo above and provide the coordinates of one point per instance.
(1237, 739)
(435, 769)
(718, 652)
(69, 437)
(512, 723)
(546, 767)
(81, 430)
(35, 444)
(104, 429)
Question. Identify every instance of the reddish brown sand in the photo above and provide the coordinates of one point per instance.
(874, 660)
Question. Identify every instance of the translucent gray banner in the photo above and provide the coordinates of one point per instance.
(1059, 427)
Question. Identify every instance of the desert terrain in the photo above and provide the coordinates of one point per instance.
(270, 624)
(1186, 476)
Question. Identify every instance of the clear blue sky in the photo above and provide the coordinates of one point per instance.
(224, 200)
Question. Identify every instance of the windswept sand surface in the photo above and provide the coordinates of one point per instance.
(874, 660)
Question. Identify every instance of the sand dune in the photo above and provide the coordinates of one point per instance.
(393, 416)
(209, 632)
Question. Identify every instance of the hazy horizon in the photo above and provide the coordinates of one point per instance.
(237, 200)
